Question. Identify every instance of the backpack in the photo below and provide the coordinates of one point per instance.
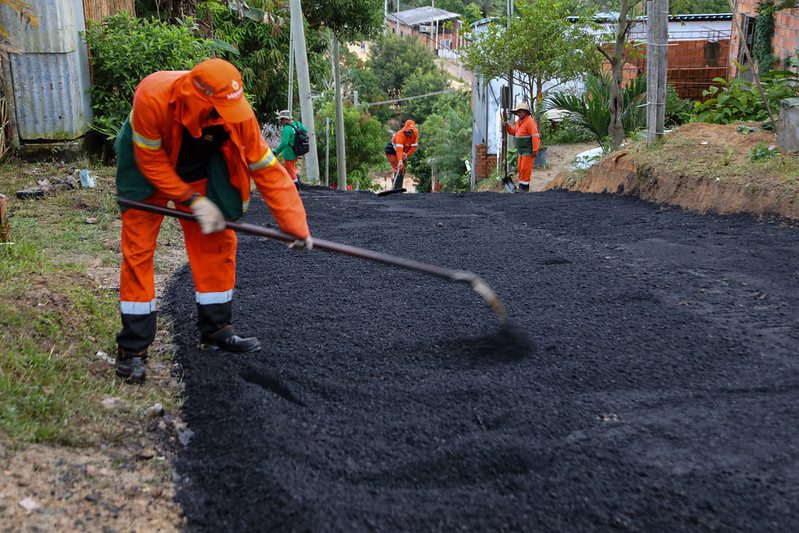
(301, 144)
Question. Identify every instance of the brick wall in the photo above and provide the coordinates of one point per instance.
(786, 34)
(484, 163)
(692, 65)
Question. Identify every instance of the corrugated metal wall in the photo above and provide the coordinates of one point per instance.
(50, 75)
(97, 9)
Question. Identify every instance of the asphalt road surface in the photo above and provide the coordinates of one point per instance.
(650, 378)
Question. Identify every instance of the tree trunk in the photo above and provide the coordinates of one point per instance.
(616, 127)
(617, 60)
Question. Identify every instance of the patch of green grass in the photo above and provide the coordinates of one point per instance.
(54, 319)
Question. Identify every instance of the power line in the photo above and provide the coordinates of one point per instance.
(368, 104)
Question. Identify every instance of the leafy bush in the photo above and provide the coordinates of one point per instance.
(124, 50)
(678, 110)
(739, 100)
(564, 132)
(445, 142)
(259, 47)
(365, 141)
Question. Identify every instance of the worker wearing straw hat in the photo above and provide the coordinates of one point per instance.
(527, 141)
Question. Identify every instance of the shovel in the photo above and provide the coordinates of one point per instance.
(476, 282)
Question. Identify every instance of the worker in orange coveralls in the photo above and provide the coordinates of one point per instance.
(399, 149)
(527, 141)
(193, 139)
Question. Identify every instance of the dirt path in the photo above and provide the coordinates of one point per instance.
(661, 390)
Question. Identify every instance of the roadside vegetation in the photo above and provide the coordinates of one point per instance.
(59, 308)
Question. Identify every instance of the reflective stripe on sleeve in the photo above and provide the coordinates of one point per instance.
(144, 142)
(415, 144)
(137, 308)
(208, 298)
(267, 160)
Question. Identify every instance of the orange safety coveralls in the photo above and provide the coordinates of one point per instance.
(404, 144)
(526, 127)
(163, 105)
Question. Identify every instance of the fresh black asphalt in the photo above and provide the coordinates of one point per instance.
(649, 381)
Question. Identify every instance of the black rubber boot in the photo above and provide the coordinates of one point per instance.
(523, 187)
(228, 341)
(130, 365)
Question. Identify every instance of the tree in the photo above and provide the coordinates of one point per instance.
(679, 7)
(260, 51)
(617, 58)
(540, 44)
(421, 83)
(394, 60)
(472, 13)
(348, 19)
(364, 141)
(445, 142)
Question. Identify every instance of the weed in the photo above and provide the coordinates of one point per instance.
(762, 151)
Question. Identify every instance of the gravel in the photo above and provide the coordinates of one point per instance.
(649, 378)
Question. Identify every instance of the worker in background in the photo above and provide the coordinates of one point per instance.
(193, 139)
(399, 148)
(527, 142)
(291, 144)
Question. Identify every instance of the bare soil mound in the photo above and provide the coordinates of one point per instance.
(703, 167)
(658, 390)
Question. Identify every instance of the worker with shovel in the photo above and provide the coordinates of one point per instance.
(399, 149)
(193, 139)
(527, 141)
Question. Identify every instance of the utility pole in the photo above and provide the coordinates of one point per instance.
(510, 104)
(341, 156)
(304, 87)
(657, 37)
(327, 151)
(385, 16)
(398, 2)
(290, 105)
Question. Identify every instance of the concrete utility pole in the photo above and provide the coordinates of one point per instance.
(304, 87)
(398, 2)
(290, 105)
(506, 135)
(327, 151)
(341, 155)
(657, 42)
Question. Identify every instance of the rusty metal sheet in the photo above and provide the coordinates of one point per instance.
(50, 77)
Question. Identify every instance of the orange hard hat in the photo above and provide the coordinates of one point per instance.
(219, 82)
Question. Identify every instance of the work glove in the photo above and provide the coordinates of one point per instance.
(209, 217)
(302, 244)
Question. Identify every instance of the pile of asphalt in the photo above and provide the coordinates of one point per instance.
(650, 378)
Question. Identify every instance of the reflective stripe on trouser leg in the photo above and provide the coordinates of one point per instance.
(213, 266)
(525, 164)
(136, 284)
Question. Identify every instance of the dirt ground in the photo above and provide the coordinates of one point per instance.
(115, 472)
(703, 167)
(650, 381)
(560, 158)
